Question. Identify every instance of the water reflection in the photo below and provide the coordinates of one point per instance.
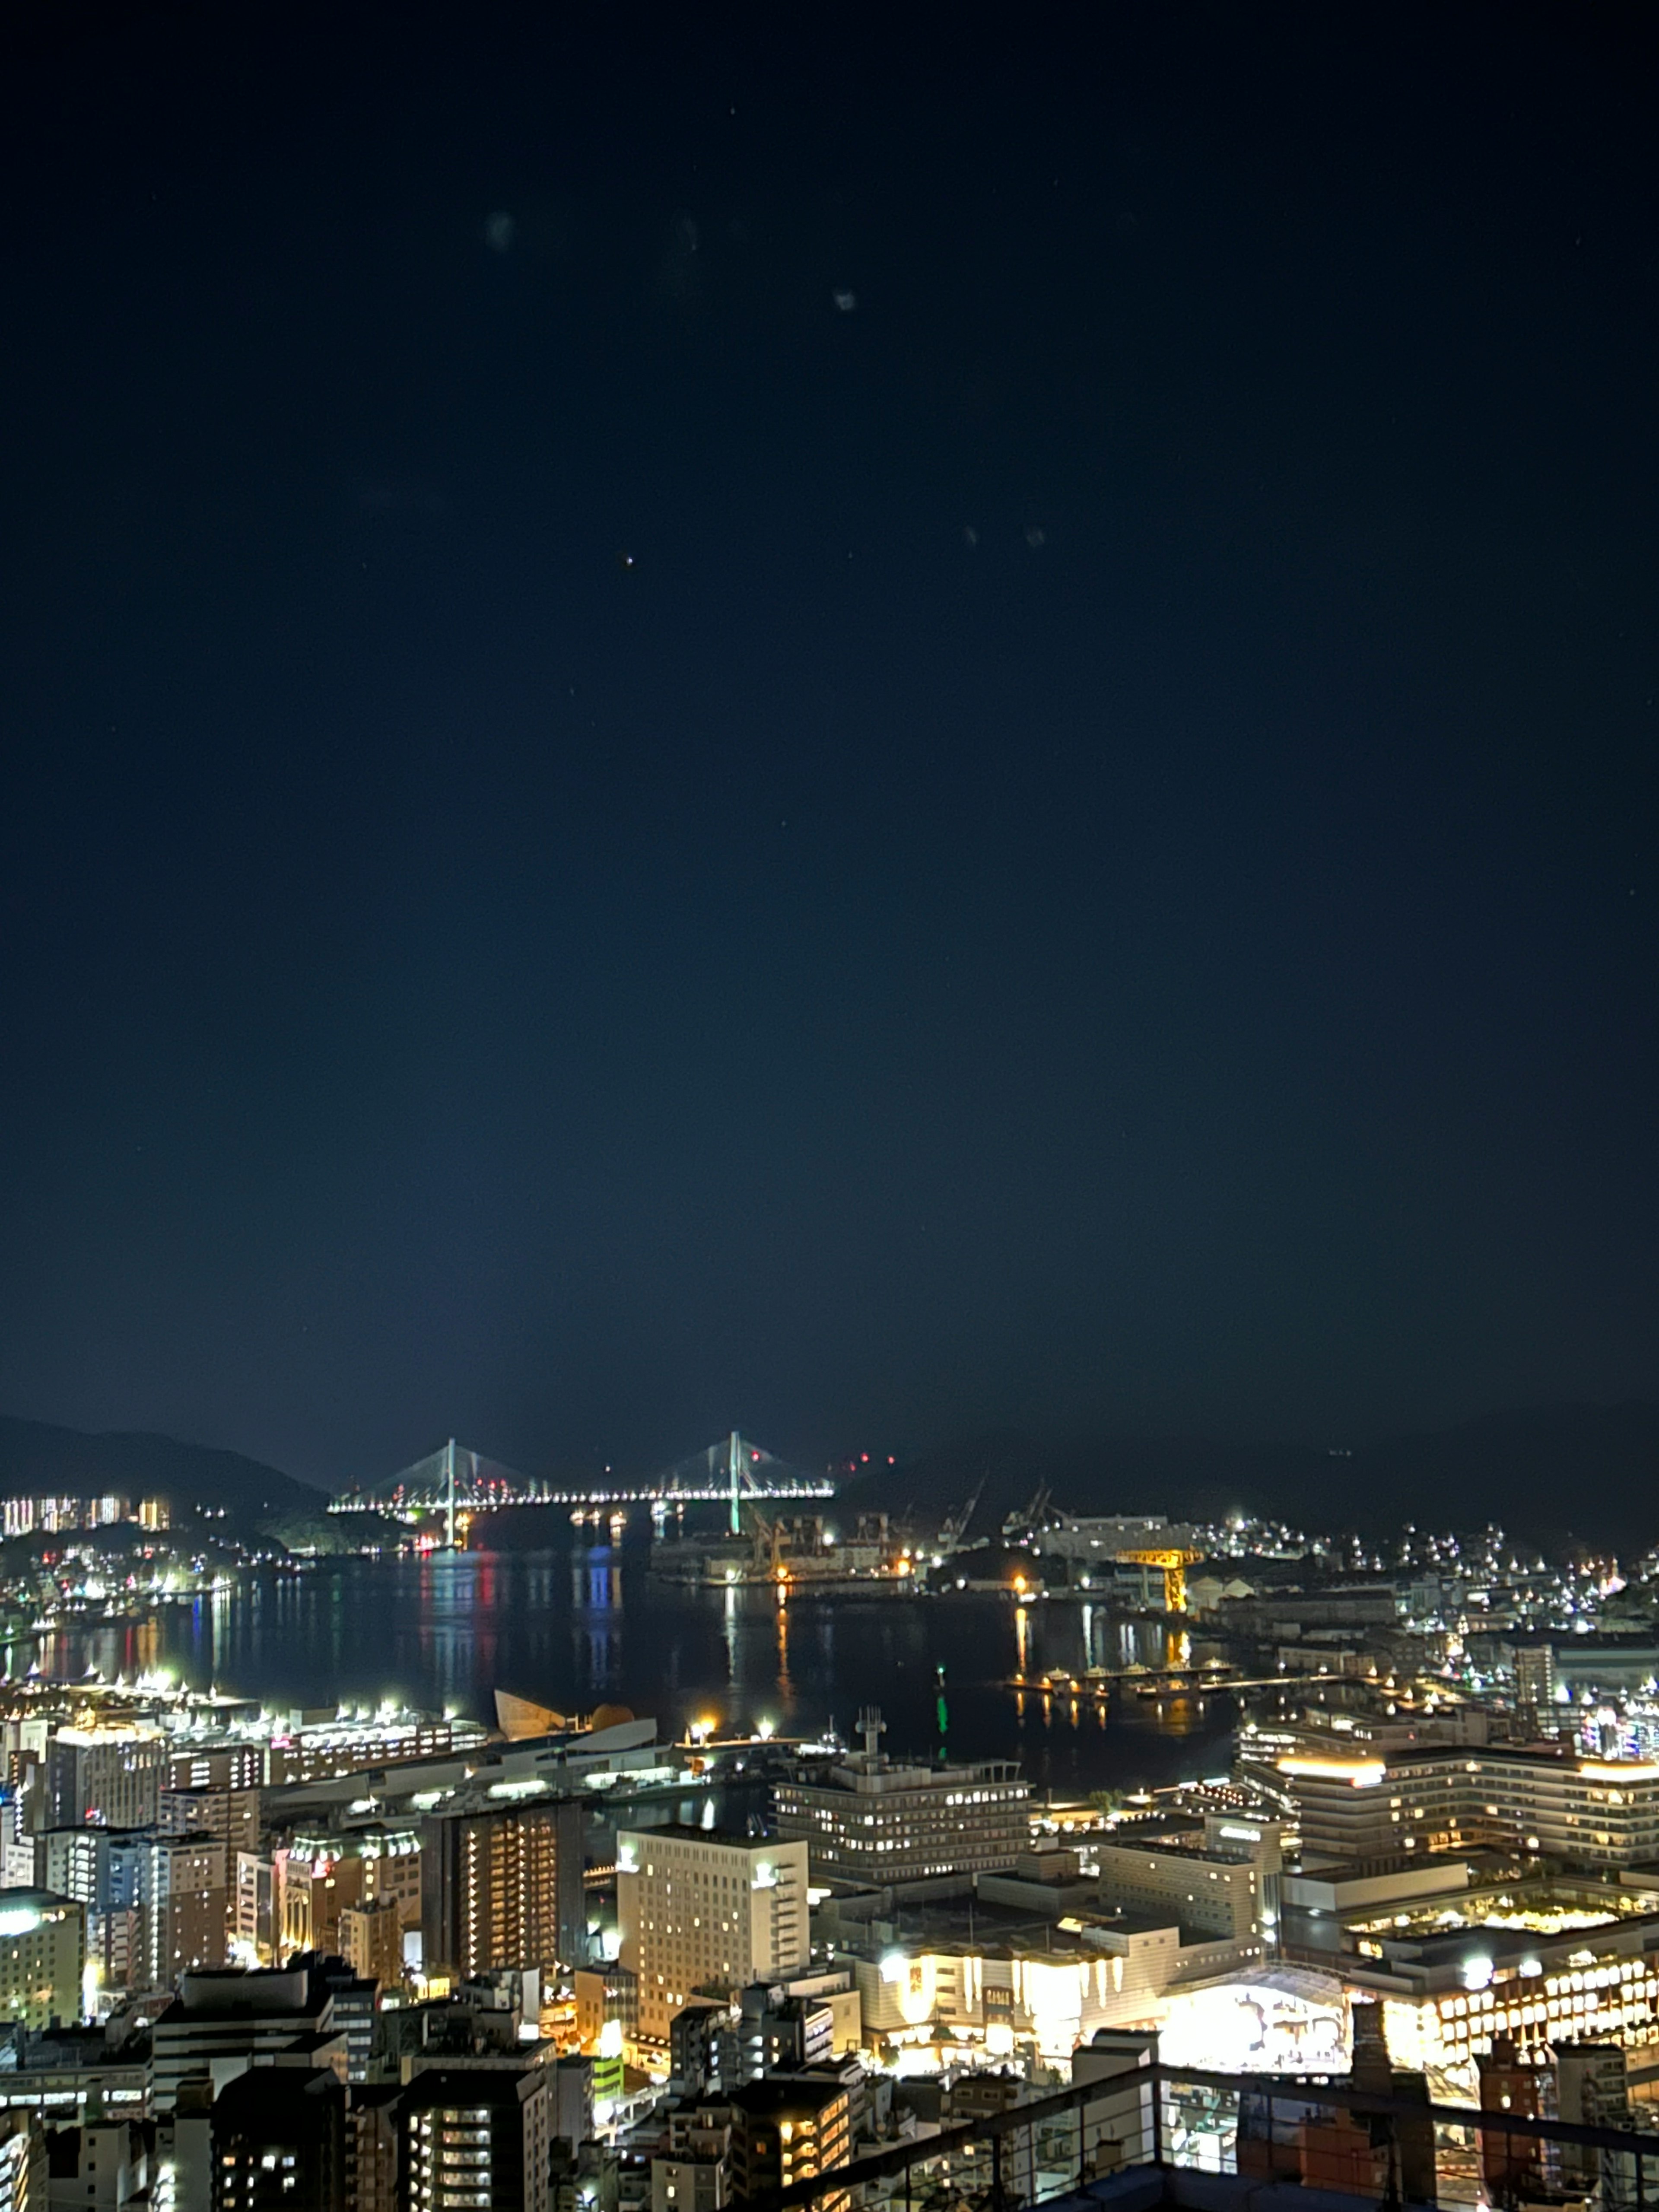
(572, 1629)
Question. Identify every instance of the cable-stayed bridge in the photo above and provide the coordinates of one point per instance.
(456, 1480)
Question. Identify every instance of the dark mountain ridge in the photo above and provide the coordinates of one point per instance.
(38, 1459)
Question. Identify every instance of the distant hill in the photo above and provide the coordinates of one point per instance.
(39, 1460)
(1552, 1475)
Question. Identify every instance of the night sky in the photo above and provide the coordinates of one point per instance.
(856, 723)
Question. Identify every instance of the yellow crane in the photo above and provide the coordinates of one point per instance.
(1174, 1559)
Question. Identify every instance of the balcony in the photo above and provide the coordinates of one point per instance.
(1138, 2134)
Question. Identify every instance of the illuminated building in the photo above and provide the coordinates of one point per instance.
(106, 1870)
(1595, 1813)
(43, 1950)
(216, 1766)
(320, 1747)
(1226, 1890)
(777, 2033)
(1542, 1961)
(870, 1819)
(319, 1875)
(156, 1904)
(1008, 1996)
(372, 1941)
(697, 1909)
(186, 1906)
(476, 2136)
(1534, 1681)
(501, 1886)
(24, 2182)
(1283, 2019)
(19, 1517)
(110, 1776)
(154, 1513)
(232, 1815)
(354, 2005)
(787, 2129)
(605, 1995)
(254, 1924)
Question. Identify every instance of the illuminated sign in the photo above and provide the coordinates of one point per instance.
(1364, 1774)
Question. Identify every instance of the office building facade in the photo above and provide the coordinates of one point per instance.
(872, 1819)
(696, 1910)
(1600, 1815)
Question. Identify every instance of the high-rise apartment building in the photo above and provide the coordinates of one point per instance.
(372, 1941)
(479, 2135)
(1535, 1682)
(186, 1906)
(232, 1815)
(697, 1909)
(279, 2142)
(501, 1886)
(156, 1904)
(111, 1777)
(255, 1926)
(792, 2128)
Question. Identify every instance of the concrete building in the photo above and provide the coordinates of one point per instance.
(43, 1950)
(698, 1909)
(239, 1766)
(279, 2142)
(255, 1926)
(789, 2128)
(1599, 1814)
(372, 1941)
(1224, 1889)
(871, 1820)
(24, 2174)
(109, 1776)
(319, 1874)
(694, 2172)
(186, 1907)
(327, 1744)
(476, 2135)
(98, 2166)
(220, 2023)
(501, 1886)
(1535, 1682)
(232, 1815)
(777, 2033)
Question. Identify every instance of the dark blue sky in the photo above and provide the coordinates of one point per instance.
(598, 843)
